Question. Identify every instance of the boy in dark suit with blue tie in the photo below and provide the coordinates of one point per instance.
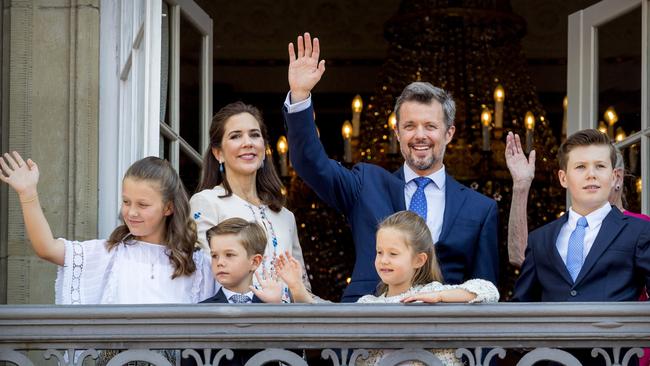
(236, 248)
(593, 252)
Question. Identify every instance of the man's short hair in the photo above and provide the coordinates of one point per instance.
(425, 93)
(588, 137)
(251, 235)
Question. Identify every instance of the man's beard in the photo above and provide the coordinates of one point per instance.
(423, 163)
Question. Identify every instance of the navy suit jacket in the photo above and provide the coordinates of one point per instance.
(220, 298)
(367, 194)
(616, 268)
(240, 357)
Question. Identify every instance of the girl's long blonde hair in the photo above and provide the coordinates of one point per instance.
(180, 230)
(418, 237)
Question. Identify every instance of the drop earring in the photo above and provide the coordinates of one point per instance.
(221, 167)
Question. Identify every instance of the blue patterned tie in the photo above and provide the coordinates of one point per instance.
(575, 250)
(419, 200)
(240, 299)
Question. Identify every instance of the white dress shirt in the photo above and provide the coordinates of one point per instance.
(435, 194)
(229, 293)
(594, 222)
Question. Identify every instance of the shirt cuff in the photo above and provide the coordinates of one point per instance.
(296, 107)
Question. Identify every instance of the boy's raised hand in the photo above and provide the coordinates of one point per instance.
(270, 290)
(20, 175)
(305, 70)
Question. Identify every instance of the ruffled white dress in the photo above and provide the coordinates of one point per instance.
(134, 272)
(485, 291)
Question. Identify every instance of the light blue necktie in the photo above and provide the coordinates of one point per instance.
(574, 255)
(419, 200)
(240, 299)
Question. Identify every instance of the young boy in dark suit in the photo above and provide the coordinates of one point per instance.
(593, 252)
(236, 248)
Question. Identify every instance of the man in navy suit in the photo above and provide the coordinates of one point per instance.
(463, 222)
(594, 252)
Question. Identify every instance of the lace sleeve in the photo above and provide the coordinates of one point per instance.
(485, 291)
(85, 274)
(203, 283)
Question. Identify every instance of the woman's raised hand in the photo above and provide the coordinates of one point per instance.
(20, 175)
(305, 69)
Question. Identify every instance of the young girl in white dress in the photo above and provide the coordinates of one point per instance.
(151, 258)
(407, 265)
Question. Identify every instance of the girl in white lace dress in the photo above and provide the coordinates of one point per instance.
(149, 259)
(407, 265)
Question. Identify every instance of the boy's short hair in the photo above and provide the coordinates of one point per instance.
(588, 137)
(251, 235)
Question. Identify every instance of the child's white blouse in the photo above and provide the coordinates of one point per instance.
(485, 291)
(134, 272)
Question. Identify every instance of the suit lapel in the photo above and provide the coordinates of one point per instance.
(550, 247)
(609, 229)
(454, 200)
(219, 297)
(396, 190)
(257, 300)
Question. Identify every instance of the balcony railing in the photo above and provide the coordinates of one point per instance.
(480, 332)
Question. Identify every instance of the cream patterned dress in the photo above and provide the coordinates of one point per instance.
(485, 291)
(209, 209)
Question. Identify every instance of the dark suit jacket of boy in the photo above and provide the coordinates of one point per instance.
(240, 357)
(616, 268)
(220, 298)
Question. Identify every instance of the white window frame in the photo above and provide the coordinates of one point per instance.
(582, 77)
(129, 116)
(203, 24)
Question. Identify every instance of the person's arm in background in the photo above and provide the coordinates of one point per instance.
(522, 170)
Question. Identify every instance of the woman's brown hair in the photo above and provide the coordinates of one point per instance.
(418, 237)
(266, 180)
(180, 229)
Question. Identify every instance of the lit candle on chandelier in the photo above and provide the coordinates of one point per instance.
(346, 131)
(357, 106)
(282, 148)
(499, 97)
(611, 117)
(530, 128)
(392, 124)
(486, 119)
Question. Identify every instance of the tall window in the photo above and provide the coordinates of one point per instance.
(186, 87)
(141, 94)
(608, 78)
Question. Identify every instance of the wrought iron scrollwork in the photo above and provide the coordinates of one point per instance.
(344, 361)
(475, 359)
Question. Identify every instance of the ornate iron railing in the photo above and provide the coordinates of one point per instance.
(480, 332)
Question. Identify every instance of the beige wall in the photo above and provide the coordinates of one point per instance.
(52, 55)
